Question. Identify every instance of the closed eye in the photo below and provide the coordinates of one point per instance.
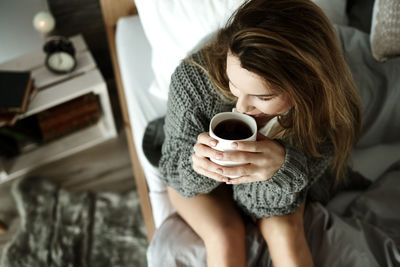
(264, 98)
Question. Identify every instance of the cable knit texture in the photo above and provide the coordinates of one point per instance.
(286, 190)
(192, 102)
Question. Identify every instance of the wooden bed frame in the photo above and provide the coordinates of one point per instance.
(112, 10)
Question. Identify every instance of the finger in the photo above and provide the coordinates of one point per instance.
(253, 146)
(239, 156)
(249, 146)
(205, 151)
(206, 139)
(206, 164)
(241, 170)
(210, 174)
(241, 180)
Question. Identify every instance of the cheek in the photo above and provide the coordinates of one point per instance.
(267, 108)
(233, 91)
(274, 107)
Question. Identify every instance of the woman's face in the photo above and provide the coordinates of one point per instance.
(254, 96)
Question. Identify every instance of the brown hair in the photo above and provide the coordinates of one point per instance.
(293, 46)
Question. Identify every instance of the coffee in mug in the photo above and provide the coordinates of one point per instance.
(228, 127)
(233, 129)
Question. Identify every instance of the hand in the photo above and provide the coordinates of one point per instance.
(261, 159)
(201, 162)
(264, 158)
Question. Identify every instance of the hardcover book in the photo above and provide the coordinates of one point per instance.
(68, 117)
(15, 89)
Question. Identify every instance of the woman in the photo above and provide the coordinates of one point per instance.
(278, 61)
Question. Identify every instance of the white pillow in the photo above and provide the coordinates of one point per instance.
(385, 29)
(175, 27)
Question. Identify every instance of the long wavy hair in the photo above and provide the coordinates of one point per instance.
(294, 47)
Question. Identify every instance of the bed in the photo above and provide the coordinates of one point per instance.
(356, 228)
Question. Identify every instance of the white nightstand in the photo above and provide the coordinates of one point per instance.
(54, 90)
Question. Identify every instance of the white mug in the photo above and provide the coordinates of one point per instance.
(225, 144)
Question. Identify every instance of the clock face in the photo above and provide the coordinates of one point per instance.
(61, 62)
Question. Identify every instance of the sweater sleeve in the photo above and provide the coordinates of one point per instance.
(191, 104)
(286, 190)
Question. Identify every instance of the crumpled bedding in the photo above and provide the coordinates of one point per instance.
(366, 235)
(353, 229)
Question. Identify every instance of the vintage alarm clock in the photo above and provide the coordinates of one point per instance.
(60, 56)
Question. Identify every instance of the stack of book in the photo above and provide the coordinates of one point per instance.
(16, 88)
(19, 135)
(68, 117)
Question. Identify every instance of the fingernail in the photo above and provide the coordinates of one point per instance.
(219, 170)
(213, 143)
(218, 156)
(234, 145)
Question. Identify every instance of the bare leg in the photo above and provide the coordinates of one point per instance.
(286, 240)
(215, 218)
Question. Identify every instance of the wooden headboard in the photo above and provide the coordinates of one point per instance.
(113, 10)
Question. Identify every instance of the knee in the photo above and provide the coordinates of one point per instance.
(226, 234)
(277, 226)
(293, 220)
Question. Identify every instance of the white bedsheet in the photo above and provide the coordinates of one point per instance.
(134, 55)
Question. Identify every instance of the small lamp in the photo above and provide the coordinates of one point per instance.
(44, 22)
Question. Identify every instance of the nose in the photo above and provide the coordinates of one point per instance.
(242, 104)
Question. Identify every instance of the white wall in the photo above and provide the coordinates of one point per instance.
(17, 35)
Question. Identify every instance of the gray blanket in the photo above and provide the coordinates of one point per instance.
(60, 228)
(355, 228)
(367, 234)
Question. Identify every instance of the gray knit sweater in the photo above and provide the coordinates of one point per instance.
(192, 102)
